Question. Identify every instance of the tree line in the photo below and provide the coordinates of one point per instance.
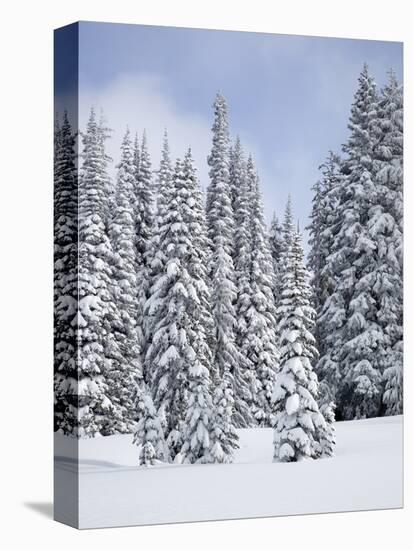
(181, 319)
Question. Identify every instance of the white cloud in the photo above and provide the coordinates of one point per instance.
(140, 103)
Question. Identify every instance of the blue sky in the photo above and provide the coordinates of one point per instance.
(289, 96)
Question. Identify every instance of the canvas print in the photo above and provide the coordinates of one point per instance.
(228, 275)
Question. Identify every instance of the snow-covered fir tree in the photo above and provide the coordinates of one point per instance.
(91, 410)
(286, 241)
(56, 145)
(350, 312)
(386, 227)
(166, 354)
(148, 435)
(144, 198)
(323, 229)
(121, 380)
(164, 177)
(220, 220)
(236, 170)
(246, 381)
(198, 267)
(179, 352)
(256, 313)
(275, 239)
(287, 233)
(393, 379)
(105, 133)
(327, 406)
(144, 227)
(65, 273)
(224, 438)
(196, 447)
(117, 420)
(287, 227)
(136, 154)
(164, 188)
(363, 341)
(157, 259)
(299, 425)
(201, 373)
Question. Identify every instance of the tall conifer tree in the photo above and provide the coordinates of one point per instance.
(262, 347)
(286, 241)
(299, 425)
(179, 352)
(220, 220)
(65, 273)
(245, 379)
(324, 226)
(122, 230)
(202, 376)
(350, 312)
(91, 408)
(275, 239)
(144, 227)
(386, 227)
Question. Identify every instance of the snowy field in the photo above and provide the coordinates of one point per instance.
(365, 474)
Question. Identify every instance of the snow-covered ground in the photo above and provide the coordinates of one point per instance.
(365, 474)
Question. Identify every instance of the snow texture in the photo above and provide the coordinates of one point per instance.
(365, 474)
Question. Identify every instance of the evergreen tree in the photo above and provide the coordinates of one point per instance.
(350, 312)
(198, 421)
(393, 391)
(117, 420)
(386, 227)
(56, 146)
(236, 172)
(196, 446)
(220, 220)
(90, 409)
(245, 378)
(144, 199)
(164, 187)
(201, 250)
(257, 309)
(322, 230)
(286, 241)
(327, 434)
(287, 227)
(157, 259)
(363, 338)
(179, 353)
(324, 226)
(104, 133)
(275, 240)
(164, 177)
(166, 358)
(121, 380)
(144, 227)
(148, 434)
(65, 274)
(224, 438)
(298, 421)
(136, 155)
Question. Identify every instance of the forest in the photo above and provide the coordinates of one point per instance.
(182, 318)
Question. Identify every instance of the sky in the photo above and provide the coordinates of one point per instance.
(289, 96)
